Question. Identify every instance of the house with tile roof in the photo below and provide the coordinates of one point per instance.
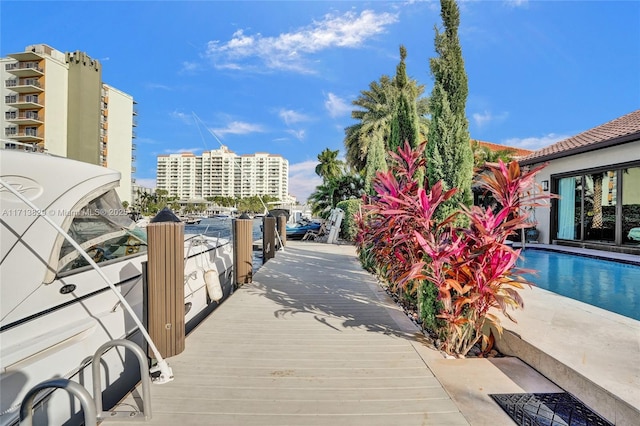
(516, 152)
(596, 175)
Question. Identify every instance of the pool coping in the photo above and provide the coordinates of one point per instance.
(588, 351)
(631, 259)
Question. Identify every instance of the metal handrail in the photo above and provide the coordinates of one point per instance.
(77, 390)
(144, 378)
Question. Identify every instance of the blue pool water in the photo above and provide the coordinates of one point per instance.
(609, 285)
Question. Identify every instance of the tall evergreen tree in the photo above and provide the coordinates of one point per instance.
(449, 153)
(376, 161)
(404, 124)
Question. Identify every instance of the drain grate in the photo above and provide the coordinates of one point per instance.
(547, 409)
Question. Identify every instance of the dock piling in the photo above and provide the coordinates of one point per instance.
(165, 273)
(268, 238)
(242, 250)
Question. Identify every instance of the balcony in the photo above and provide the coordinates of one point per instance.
(26, 136)
(23, 102)
(24, 85)
(24, 69)
(28, 117)
(31, 147)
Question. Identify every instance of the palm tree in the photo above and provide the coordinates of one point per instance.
(374, 119)
(330, 167)
(377, 107)
(332, 191)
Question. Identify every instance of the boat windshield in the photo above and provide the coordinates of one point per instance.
(105, 231)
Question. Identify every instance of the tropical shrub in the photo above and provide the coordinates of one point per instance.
(472, 268)
(348, 226)
(332, 191)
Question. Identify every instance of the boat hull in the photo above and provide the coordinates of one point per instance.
(65, 351)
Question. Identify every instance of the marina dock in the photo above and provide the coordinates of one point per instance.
(315, 340)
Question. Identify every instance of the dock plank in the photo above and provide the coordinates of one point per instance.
(310, 342)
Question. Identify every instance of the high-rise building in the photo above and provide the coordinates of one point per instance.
(57, 102)
(221, 172)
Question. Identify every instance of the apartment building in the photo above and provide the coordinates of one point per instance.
(57, 102)
(221, 172)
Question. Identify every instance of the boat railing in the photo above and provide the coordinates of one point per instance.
(92, 407)
(76, 389)
(145, 381)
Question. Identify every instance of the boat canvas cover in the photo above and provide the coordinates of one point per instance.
(58, 187)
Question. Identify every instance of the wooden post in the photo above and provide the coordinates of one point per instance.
(165, 272)
(282, 230)
(268, 238)
(243, 250)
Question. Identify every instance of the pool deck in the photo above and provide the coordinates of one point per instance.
(315, 340)
(590, 352)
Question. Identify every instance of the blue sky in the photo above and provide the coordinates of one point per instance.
(279, 76)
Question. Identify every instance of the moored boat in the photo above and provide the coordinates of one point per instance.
(299, 229)
(55, 309)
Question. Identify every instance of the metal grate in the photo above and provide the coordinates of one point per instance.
(547, 409)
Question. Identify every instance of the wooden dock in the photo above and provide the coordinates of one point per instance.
(312, 341)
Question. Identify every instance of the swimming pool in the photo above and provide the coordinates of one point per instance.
(609, 285)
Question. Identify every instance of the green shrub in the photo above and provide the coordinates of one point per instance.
(348, 227)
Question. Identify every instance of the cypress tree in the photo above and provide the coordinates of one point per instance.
(405, 123)
(449, 153)
(376, 161)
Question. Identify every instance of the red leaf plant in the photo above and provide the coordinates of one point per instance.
(472, 268)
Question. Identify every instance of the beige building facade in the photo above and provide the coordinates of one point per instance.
(221, 172)
(57, 102)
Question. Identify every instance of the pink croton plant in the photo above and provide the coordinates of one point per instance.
(472, 268)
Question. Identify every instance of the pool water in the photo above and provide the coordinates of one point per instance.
(609, 285)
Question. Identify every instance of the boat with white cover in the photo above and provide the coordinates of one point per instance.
(56, 308)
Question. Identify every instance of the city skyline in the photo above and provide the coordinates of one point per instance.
(222, 172)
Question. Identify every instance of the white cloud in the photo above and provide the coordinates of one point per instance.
(185, 118)
(189, 67)
(292, 117)
(146, 182)
(517, 3)
(288, 51)
(535, 143)
(303, 179)
(148, 141)
(181, 150)
(486, 117)
(298, 134)
(158, 86)
(336, 105)
(238, 128)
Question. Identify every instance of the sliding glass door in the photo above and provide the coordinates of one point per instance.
(601, 206)
(569, 208)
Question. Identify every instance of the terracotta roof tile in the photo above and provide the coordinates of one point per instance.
(621, 130)
(518, 152)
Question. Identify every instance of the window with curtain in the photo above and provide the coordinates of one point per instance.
(569, 208)
(600, 206)
(631, 206)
